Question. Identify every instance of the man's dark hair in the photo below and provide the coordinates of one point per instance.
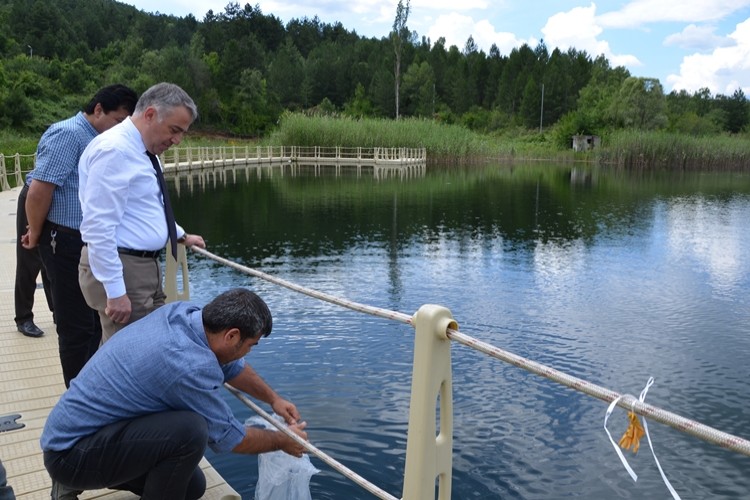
(238, 308)
(112, 98)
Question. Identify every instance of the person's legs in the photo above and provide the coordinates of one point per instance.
(28, 266)
(143, 284)
(47, 287)
(6, 492)
(156, 456)
(78, 329)
(95, 296)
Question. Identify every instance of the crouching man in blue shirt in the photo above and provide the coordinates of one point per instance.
(140, 414)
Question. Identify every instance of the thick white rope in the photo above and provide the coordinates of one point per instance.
(374, 311)
(627, 401)
(312, 449)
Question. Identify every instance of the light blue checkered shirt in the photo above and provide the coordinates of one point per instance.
(156, 364)
(57, 163)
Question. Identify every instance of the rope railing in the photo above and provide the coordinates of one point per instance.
(355, 306)
(626, 401)
(17, 171)
(209, 157)
(356, 478)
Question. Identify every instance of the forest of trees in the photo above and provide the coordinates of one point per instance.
(244, 68)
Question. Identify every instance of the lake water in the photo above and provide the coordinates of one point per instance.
(612, 277)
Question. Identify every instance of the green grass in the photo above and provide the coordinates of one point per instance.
(447, 143)
(326, 131)
(663, 150)
(12, 142)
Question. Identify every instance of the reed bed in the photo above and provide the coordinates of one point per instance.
(449, 141)
(632, 149)
(448, 144)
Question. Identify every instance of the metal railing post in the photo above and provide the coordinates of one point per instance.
(429, 454)
(5, 183)
(17, 170)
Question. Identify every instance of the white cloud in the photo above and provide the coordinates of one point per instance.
(721, 70)
(368, 11)
(579, 28)
(449, 5)
(456, 29)
(641, 12)
(323, 8)
(700, 38)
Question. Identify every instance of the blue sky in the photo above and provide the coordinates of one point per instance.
(686, 44)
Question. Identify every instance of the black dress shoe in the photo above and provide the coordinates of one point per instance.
(29, 329)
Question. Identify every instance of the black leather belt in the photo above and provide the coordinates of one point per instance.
(149, 254)
(51, 226)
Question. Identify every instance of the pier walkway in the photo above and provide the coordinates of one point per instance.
(31, 381)
(197, 158)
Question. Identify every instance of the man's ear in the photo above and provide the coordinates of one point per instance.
(232, 336)
(150, 114)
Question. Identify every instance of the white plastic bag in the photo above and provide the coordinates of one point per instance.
(280, 475)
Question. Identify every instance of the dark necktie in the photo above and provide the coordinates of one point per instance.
(167, 206)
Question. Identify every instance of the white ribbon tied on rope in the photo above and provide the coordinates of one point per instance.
(624, 461)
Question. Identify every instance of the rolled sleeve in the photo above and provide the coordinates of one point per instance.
(103, 200)
(228, 440)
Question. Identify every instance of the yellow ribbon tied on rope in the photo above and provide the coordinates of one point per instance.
(633, 434)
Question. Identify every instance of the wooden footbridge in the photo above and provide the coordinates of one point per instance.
(196, 158)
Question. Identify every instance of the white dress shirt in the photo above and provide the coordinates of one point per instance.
(121, 203)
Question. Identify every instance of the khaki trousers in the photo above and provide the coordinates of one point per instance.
(142, 285)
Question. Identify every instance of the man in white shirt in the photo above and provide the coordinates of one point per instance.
(124, 226)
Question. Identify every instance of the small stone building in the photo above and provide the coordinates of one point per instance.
(586, 142)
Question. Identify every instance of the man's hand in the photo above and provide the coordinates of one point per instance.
(118, 309)
(193, 239)
(286, 410)
(289, 445)
(29, 241)
(265, 440)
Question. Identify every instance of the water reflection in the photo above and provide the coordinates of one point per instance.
(211, 178)
(707, 233)
(608, 276)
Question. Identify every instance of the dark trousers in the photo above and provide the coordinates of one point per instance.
(6, 492)
(28, 266)
(79, 332)
(155, 456)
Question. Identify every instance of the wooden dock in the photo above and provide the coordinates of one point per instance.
(190, 159)
(31, 380)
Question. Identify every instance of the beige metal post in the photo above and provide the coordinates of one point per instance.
(170, 275)
(429, 454)
(5, 183)
(17, 170)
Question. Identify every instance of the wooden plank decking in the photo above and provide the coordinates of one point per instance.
(31, 383)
